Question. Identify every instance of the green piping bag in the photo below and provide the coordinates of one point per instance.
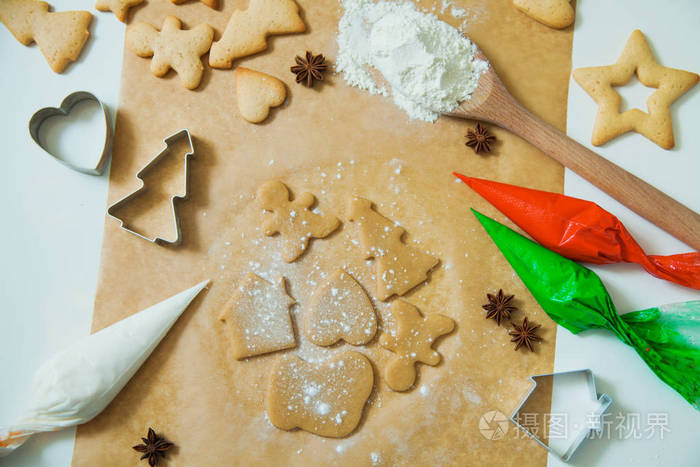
(666, 337)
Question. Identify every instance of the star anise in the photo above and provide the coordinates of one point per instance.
(479, 139)
(499, 306)
(309, 68)
(524, 335)
(152, 447)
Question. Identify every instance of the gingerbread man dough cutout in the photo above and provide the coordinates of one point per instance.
(247, 30)
(120, 8)
(656, 124)
(59, 35)
(293, 220)
(340, 310)
(172, 48)
(399, 267)
(257, 317)
(411, 337)
(325, 398)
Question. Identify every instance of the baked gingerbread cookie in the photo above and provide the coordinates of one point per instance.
(210, 3)
(172, 48)
(294, 220)
(59, 35)
(247, 30)
(340, 310)
(557, 14)
(325, 398)
(120, 8)
(411, 337)
(656, 123)
(399, 267)
(257, 317)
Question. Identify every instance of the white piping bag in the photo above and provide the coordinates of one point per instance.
(75, 385)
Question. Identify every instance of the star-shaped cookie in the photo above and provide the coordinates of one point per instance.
(637, 58)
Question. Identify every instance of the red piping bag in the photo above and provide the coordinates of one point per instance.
(581, 230)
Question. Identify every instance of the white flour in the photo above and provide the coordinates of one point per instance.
(428, 64)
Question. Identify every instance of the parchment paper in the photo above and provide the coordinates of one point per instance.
(334, 141)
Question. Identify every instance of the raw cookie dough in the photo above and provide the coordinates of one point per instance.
(322, 398)
(637, 58)
(399, 267)
(340, 310)
(257, 317)
(172, 48)
(293, 220)
(411, 337)
(247, 30)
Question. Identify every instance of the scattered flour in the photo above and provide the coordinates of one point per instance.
(429, 66)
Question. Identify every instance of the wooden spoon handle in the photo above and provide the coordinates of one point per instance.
(633, 192)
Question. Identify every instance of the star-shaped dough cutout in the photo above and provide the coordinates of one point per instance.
(637, 58)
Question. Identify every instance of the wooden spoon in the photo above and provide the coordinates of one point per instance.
(491, 102)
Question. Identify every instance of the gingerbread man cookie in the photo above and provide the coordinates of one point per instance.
(293, 220)
(399, 267)
(411, 337)
(325, 399)
(120, 8)
(172, 48)
(656, 124)
(59, 35)
(247, 30)
(256, 93)
(257, 317)
(556, 14)
(340, 310)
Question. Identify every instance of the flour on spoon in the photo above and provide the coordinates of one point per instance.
(429, 66)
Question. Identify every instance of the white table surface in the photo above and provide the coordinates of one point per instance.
(53, 220)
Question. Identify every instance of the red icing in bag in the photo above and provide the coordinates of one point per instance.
(581, 230)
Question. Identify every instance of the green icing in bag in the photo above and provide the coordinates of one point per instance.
(667, 338)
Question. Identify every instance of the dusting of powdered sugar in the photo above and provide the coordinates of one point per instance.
(429, 66)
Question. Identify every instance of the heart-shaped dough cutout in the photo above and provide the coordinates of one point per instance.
(256, 93)
(322, 398)
(40, 116)
(340, 310)
(556, 14)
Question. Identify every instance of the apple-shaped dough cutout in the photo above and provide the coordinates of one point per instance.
(556, 14)
(256, 93)
(325, 398)
(340, 310)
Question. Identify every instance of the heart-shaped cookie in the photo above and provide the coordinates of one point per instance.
(256, 93)
(322, 398)
(63, 110)
(340, 310)
(556, 14)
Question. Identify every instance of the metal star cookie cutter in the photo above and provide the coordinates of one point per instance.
(571, 383)
(70, 101)
(184, 133)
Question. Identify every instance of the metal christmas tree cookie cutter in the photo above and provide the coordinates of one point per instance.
(70, 101)
(597, 404)
(111, 210)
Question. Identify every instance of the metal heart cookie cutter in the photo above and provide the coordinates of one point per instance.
(63, 110)
(574, 412)
(182, 134)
